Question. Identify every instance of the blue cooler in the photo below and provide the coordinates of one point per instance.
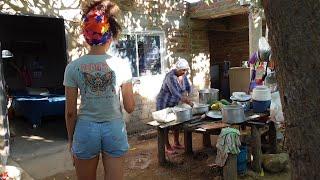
(260, 106)
(261, 96)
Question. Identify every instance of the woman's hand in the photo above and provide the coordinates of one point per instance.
(70, 151)
(186, 100)
(190, 103)
(71, 114)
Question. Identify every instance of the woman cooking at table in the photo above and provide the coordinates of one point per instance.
(175, 89)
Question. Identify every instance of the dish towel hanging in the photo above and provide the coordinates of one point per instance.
(228, 142)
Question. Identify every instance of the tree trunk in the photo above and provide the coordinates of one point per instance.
(294, 33)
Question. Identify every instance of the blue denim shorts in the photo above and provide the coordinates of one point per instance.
(91, 138)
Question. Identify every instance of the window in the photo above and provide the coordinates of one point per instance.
(143, 50)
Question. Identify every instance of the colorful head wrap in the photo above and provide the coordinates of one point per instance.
(96, 27)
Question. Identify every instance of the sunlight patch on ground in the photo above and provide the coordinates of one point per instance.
(36, 138)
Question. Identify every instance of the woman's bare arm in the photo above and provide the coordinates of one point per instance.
(71, 110)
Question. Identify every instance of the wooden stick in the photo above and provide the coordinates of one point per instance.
(256, 149)
(206, 140)
(230, 168)
(161, 146)
(188, 142)
(272, 133)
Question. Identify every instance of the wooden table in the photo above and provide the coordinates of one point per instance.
(208, 127)
(162, 128)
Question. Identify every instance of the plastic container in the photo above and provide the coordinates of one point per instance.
(261, 93)
(242, 159)
(260, 106)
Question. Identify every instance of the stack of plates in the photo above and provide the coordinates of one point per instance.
(214, 114)
(240, 96)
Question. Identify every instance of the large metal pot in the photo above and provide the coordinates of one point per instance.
(233, 114)
(206, 96)
(200, 108)
(182, 114)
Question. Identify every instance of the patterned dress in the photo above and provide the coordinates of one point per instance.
(171, 91)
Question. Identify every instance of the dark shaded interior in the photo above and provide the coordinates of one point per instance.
(39, 48)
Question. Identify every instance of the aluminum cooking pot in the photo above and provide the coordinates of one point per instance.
(182, 114)
(200, 108)
(233, 114)
(207, 96)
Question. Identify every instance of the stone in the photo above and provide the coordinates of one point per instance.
(275, 163)
(147, 135)
(141, 161)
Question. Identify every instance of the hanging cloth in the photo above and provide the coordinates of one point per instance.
(228, 142)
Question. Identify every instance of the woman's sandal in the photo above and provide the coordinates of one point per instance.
(179, 146)
(170, 152)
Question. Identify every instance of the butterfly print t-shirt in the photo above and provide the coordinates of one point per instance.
(99, 78)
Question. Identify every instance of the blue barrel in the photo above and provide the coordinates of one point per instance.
(242, 160)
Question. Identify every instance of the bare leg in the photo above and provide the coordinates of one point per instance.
(177, 144)
(169, 149)
(166, 137)
(113, 167)
(86, 169)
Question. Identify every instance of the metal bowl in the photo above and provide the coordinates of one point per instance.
(200, 108)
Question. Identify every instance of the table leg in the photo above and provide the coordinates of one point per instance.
(161, 146)
(256, 146)
(230, 168)
(188, 142)
(206, 140)
(272, 133)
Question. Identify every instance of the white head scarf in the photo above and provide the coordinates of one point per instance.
(182, 64)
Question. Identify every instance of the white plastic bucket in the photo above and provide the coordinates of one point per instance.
(14, 173)
(261, 93)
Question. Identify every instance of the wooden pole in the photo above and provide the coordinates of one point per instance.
(256, 149)
(230, 168)
(161, 145)
(188, 142)
(272, 133)
(206, 140)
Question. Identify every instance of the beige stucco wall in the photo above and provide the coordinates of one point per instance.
(167, 16)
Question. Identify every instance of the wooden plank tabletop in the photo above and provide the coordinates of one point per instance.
(251, 119)
(172, 123)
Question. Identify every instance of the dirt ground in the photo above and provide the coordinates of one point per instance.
(141, 164)
(42, 153)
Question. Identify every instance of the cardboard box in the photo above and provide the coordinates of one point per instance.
(239, 79)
